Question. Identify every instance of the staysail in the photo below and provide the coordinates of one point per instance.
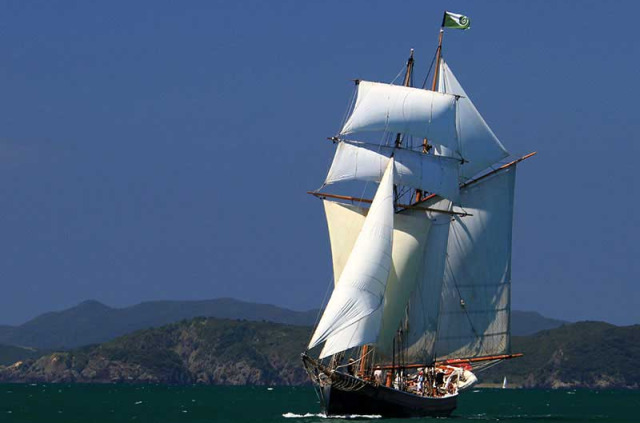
(405, 110)
(367, 162)
(478, 145)
(354, 312)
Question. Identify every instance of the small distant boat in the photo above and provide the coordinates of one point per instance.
(504, 383)
(422, 276)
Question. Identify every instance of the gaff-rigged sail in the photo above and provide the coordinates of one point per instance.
(478, 145)
(367, 162)
(405, 110)
(476, 302)
(354, 312)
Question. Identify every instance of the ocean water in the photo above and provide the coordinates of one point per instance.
(57, 403)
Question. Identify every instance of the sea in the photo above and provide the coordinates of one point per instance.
(61, 403)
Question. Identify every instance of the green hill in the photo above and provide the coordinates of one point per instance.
(215, 351)
(201, 350)
(584, 354)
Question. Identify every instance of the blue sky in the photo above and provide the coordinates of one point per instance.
(162, 150)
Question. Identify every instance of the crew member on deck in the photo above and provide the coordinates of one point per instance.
(351, 367)
(377, 376)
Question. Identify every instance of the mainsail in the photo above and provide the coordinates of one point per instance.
(354, 312)
(461, 309)
(475, 305)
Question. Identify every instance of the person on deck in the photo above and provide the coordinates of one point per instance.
(377, 376)
(351, 367)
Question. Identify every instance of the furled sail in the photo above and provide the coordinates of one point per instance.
(410, 233)
(406, 110)
(475, 303)
(367, 162)
(354, 312)
(479, 146)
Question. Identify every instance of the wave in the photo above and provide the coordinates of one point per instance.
(324, 416)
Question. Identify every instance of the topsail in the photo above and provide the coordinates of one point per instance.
(478, 145)
(405, 110)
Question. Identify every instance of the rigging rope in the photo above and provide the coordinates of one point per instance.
(399, 73)
(426, 78)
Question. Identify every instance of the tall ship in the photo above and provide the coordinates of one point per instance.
(421, 253)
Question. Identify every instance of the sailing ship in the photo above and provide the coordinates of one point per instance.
(422, 271)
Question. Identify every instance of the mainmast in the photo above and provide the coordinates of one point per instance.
(438, 55)
(425, 142)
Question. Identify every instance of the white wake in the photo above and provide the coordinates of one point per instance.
(324, 416)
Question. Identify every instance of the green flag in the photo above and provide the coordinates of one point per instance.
(453, 20)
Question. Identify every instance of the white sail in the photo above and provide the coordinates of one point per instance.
(424, 306)
(406, 110)
(344, 222)
(367, 162)
(354, 312)
(409, 235)
(475, 304)
(478, 145)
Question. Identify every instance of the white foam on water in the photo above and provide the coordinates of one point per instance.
(269, 389)
(294, 415)
(324, 416)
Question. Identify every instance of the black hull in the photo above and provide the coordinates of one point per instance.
(364, 398)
